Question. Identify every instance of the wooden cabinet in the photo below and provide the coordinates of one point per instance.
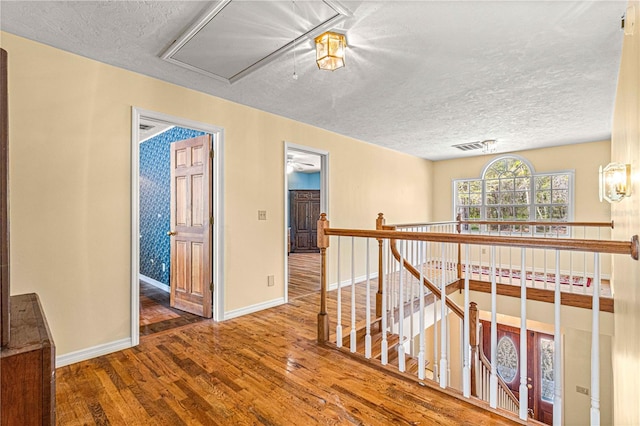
(27, 367)
(304, 215)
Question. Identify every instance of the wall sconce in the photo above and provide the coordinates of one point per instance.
(615, 182)
(330, 49)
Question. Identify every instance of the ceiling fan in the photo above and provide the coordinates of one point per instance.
(297, 166)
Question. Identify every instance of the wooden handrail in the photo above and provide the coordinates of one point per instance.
(407, 225)
(434, 289)
(594, 246)
(517, 222)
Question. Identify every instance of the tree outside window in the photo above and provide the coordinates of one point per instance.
(509, 190)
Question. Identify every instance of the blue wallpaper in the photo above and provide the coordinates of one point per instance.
(155, 199)
(298, 180)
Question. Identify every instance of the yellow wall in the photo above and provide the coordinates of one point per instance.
(583, 158)
(70, 142)
(625, 148)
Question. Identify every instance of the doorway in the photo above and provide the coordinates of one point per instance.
(170, 160)
(306, 183)
(540, 381)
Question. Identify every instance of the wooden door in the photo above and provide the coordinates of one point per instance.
(542, 392)
(304, 215)
(539, 366)
(191, 230)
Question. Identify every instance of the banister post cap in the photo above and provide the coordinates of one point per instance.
(380, 221)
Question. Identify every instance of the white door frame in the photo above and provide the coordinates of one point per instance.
(217, 245)
(324, 197)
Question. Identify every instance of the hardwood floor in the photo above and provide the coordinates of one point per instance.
(155, 313)
(304, 274)
(259, 369)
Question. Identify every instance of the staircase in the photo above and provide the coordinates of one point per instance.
(417, 271)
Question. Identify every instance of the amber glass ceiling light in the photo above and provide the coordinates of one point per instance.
(615, 182)
(330, 48)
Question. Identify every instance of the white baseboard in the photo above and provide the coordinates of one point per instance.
(95, 351)
(155, 283)
(347, 282)
(253, 308)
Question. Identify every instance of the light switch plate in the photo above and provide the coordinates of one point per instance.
(262, 215)
(582, 390)
(630, 21)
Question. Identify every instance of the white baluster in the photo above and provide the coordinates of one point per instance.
(523, 344)
(401, 359)
(466, 348)
(436, 372)
(557, 360)
(384, 345)
(339, 301)
(443, 324)
(367, 337)
(448, 319)
(570, 272)
(595, 344)
(493, 385)
(411, 299)
(421, 360)
(353, 297)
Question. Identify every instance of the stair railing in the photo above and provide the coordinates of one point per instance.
(576, 268)
(407, 308)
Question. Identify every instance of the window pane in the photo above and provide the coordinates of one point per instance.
(463, 186)
(546, 369)
(507, 213)
(474, 213)
(522, 213)
(507, 359)
(475, 199)
(492, 198)
(506, 198)
(475, 186)
(543, 197)
(492, 185)
(522, 184)
(463, 199)
(492, 213)
(560, 196)
(507, 184)
(543, 213)
(543, 182)
(521, 198)
(560, 181)
(559, 213)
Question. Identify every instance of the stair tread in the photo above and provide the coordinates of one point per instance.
(361, 330)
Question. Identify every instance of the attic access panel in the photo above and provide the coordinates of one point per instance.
(236, 37)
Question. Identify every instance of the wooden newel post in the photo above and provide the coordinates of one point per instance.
(379, 225)
(323, 243)
(473, 342)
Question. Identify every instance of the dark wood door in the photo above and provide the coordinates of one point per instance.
(304, 215)
(539, 366)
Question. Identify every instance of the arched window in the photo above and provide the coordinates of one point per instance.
(510, 190)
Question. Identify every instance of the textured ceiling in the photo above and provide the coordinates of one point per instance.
(420, 76)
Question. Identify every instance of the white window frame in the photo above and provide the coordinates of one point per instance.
(532, 191)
